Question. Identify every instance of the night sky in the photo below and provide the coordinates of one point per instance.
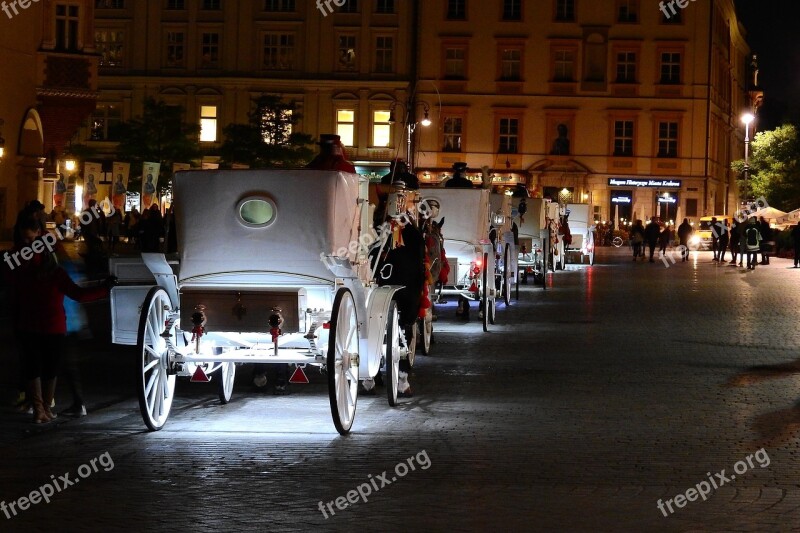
(773, 32)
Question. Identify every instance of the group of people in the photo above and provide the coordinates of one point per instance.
(652, 236)
(743, 238)
(35, 290)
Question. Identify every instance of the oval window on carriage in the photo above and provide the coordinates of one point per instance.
(256, 211)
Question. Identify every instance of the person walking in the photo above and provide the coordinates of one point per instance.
(766, 240)
(714, 237)
(663, 240)
(736, 233)
(651, 234)
(796, 241)
(724, 238)
(684, 233)
(637, 239)
(36, 302)
(752, 237)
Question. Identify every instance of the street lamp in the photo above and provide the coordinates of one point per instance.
(747, 118)
(69, 165)
(410, 122)
(2, 142)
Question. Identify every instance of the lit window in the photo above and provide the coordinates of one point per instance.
(345, 126)
(208, 123)
(104, 123)
(381, 129)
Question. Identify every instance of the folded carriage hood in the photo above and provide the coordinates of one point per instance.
(316, 212)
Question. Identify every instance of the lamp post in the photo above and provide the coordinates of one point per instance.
(2, 142)
(411, 123)
(747, 118)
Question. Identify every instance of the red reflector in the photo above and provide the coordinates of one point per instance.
(299, 376)
(200, 376)
(326, 325)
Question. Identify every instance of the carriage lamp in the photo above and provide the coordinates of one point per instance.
(198, 323)
(498, 219)
(275, 322)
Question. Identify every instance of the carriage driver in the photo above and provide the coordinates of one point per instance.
(332, 155)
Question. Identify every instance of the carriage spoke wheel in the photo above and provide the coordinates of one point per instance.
(427, 331)
(507, 275)
(392, 353)
(485, 292)
(155, 386)
(411, 343)
(342, 361)
(225, 376)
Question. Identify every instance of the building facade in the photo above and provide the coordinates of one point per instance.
(49, 89)
(620, 104)
(610, 103)
(342, 67)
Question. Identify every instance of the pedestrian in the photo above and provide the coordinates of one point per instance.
(651, 234)
(714, 238)
(684, 234)
(753, 239)
(332, 155)
(663, 240)
(151, 230)
(724, 237)
(736, 233)
(796, 241)
(113, 227)
(36, 303)
(637, 239)
(766, 240)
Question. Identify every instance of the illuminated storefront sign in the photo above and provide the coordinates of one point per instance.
(635, 182)
(621, 200)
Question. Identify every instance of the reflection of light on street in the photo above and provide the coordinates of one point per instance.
(78, 198)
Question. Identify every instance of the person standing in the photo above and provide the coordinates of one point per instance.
(37, 309)
(724, 238)
(766, 240)
(663, 240)
(637, 239)
(796, 241)
(736, 234)
(651, 234)
(714, 237)
(752, 237)
(684, 233)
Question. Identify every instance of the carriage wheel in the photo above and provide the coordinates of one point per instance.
(343, 361)
(507, 275)
(591, 257)
(155, 386)
(225, 376)
(427, 331)
(392, 353)
(485, 292)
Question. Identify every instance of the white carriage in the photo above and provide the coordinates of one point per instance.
(273, 268)
(471, 258)
(535, 227)
(582, 229)
(504, 244)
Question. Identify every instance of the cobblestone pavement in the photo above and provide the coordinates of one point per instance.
(620, 385)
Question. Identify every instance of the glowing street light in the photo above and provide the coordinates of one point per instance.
(747, 119)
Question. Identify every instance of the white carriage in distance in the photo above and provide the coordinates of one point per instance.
(582, 229)
(501, 234)
(470, 255)
(273, 268)
(535, 228)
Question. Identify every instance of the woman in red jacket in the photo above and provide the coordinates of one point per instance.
(38, 286)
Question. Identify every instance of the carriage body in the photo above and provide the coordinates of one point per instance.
(470, 254)
(269, 263)
(534, 234)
